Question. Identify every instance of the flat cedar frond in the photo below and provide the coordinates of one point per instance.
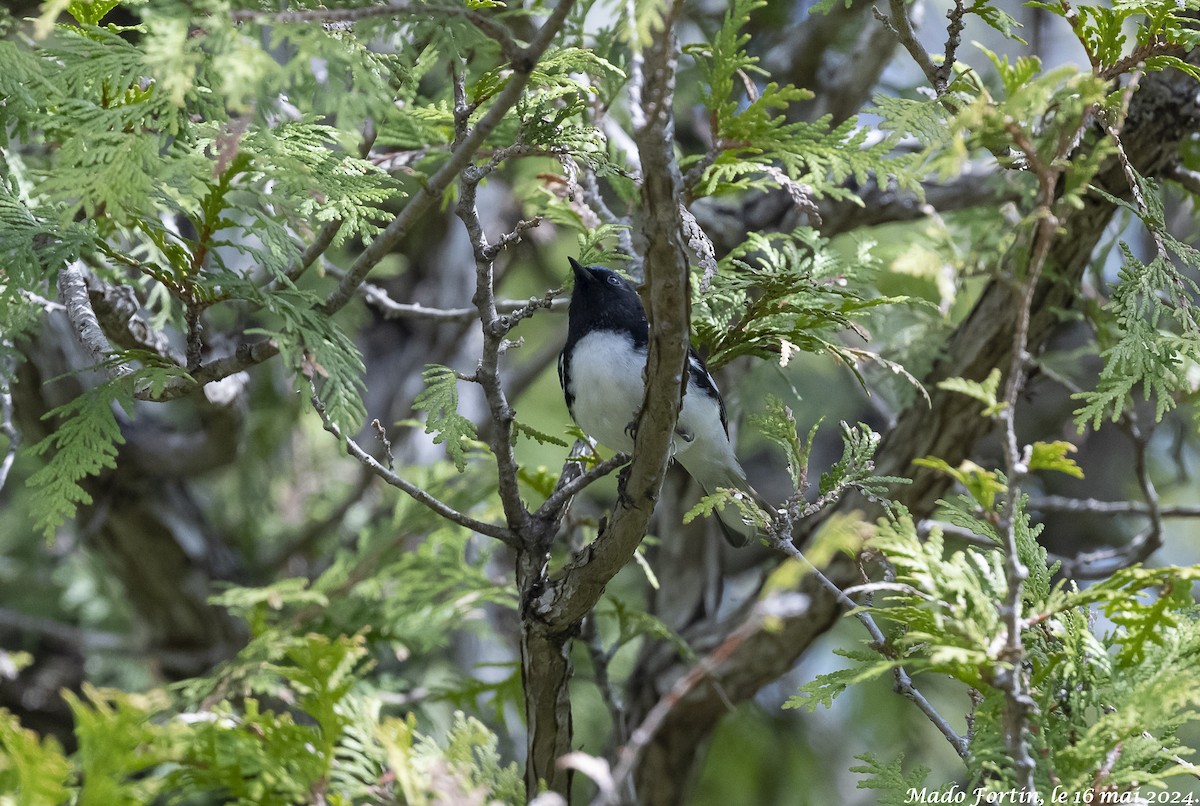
(779, 291)
(84, 443)
(440, 402)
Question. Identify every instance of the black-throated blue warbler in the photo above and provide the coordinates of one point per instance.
(601, 369)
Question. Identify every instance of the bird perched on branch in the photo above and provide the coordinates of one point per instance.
(601, 369)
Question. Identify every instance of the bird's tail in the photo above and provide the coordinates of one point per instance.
(713, 476)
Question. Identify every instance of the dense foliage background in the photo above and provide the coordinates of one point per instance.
(293, 511)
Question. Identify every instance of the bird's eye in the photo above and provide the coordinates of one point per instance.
(613, 280)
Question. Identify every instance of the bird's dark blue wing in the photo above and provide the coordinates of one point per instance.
(701, 381)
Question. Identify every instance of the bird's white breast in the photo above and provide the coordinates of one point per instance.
(606, 384)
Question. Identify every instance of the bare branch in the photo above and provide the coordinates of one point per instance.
(953, 40)
(245, 356)
(378, 298)
(509, 238)
(879, 643)
(416, 493)
(487, 25)
(596, 203)
(565, 491)
(1013, 681)
(381, 435)
(495, 328)
(464, 151)
(1059, 503)
(72, 287)
(7, 428)
(787, 605)
(117, 310)
(583, 581)
(901, 25)
(314, 250)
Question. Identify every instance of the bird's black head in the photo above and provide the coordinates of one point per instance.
(604, 300)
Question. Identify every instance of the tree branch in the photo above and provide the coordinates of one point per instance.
(416, 493)
(464, 151)
(378, 298)
(1014, 681)
(494, 30)
(72, 288)
(117, 311)
(787, 605)
(879, 642)
(900, 24)
(495, 329)
(1060, 503)
(567, 602)
(563, 493)
(245, 356)
(7, 428)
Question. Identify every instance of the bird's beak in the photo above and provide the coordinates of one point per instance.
(581, 271)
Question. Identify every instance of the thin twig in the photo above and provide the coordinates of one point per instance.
(416, 493)
(513, 237)
(900, 24)
(879, 642)
(6, 419)
(595, 201)
(378, 298)
(381, 435)
(953, 40)
(563, 493)
(783, 606)
(495, 327)
(432, 190)
(494, 30)
(1014, 680)
(72, 288)
(1094, 506)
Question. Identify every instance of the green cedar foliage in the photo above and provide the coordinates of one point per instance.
(194, 158)
(440, 402)
(1093, 681)
(332, 739)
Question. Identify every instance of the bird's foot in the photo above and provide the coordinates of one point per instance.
(623, 499)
